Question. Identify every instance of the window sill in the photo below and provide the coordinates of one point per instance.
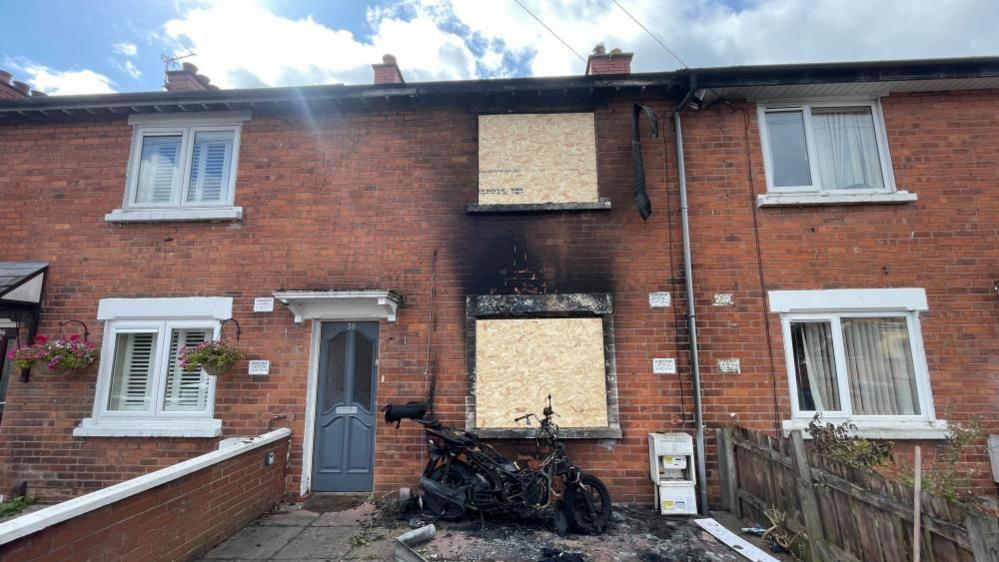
(160, 215)
(602, 204)
(148, 427)
(613, 432)
(814, 199)
(887, 429)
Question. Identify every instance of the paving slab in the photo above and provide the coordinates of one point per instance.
(331, 543)
(256, 542)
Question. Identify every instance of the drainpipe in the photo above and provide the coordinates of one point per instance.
(688, 278)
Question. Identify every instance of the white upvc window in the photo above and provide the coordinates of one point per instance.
(142, 389)
(825, 147)
(182, 168)
(857, 355)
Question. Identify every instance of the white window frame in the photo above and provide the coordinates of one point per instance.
(834, 305)
(805, 106)
(161, 316)
(178, 208)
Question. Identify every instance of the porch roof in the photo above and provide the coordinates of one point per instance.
(347, 305)
(21, 281)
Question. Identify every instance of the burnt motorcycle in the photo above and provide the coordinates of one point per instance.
(466, 475)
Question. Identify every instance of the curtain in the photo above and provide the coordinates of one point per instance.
(817, 361)
(847, 148)
(879, 366)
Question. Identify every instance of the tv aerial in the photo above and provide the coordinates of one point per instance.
(173, 63)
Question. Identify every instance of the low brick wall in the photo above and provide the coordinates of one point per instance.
(176, 513)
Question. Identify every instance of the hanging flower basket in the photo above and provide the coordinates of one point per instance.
(215, 357)
(61, 356)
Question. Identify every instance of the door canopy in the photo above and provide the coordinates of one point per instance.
(377, 304)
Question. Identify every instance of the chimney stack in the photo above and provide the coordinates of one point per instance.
(388, 72)
(600, 62)
(187, 79)
(10, 89)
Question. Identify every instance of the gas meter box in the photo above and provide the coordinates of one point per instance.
(671, 469)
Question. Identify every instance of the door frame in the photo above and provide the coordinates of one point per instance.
(312, 395)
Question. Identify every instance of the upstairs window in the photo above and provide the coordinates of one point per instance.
(191, 166)
(182, 167)
(836, 148)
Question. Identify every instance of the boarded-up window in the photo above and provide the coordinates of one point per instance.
(537, 158)
(520, 362)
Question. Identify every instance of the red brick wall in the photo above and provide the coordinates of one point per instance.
(350, 201)
(179, 520)
(943, 148)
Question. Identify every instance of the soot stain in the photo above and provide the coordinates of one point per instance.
(534, 254)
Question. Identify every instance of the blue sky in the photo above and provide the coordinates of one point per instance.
(76, 46)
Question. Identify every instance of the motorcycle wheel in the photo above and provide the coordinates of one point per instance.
(458, 475)
(588, 505)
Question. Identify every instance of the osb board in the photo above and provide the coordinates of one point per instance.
(518, 363)
(537, 158)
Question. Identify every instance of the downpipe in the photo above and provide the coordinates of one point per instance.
(688, 279)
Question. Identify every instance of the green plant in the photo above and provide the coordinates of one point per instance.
(16, 505)
(838, 443)
(946, 476)
(215, 357)
(59, 355)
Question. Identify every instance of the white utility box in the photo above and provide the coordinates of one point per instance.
(671, 469)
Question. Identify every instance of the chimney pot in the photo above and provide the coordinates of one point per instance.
(388, 71)
(5, 77)
(204, 79)
(603, 63)
(22, 87)
(190, 68)
(38, 94)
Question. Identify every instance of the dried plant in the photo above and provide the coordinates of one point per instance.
(839, 443)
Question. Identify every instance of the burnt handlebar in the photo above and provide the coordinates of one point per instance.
(394, 413)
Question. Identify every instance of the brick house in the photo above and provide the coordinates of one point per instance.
(478, 243)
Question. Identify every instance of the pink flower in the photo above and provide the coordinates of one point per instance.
(74, 337)
(40, 339)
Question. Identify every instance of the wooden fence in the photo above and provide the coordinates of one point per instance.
(846, 514)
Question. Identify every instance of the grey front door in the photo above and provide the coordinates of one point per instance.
(343, 458)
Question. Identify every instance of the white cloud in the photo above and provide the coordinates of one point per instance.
(68, 82)
(58, 82)
(241, 44)
(126, 49)
(131, 70)
(246, 45)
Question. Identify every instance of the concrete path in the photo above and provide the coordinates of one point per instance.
(293, 533)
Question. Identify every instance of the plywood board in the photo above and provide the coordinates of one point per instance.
(518, 363)
(537, 158)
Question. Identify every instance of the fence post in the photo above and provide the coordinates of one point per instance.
(983, 533)
(729, 476)
(809, 502)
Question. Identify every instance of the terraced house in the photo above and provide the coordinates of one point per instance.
(828, 230)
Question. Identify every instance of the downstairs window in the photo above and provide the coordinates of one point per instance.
(865, 366)
(142, 388)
